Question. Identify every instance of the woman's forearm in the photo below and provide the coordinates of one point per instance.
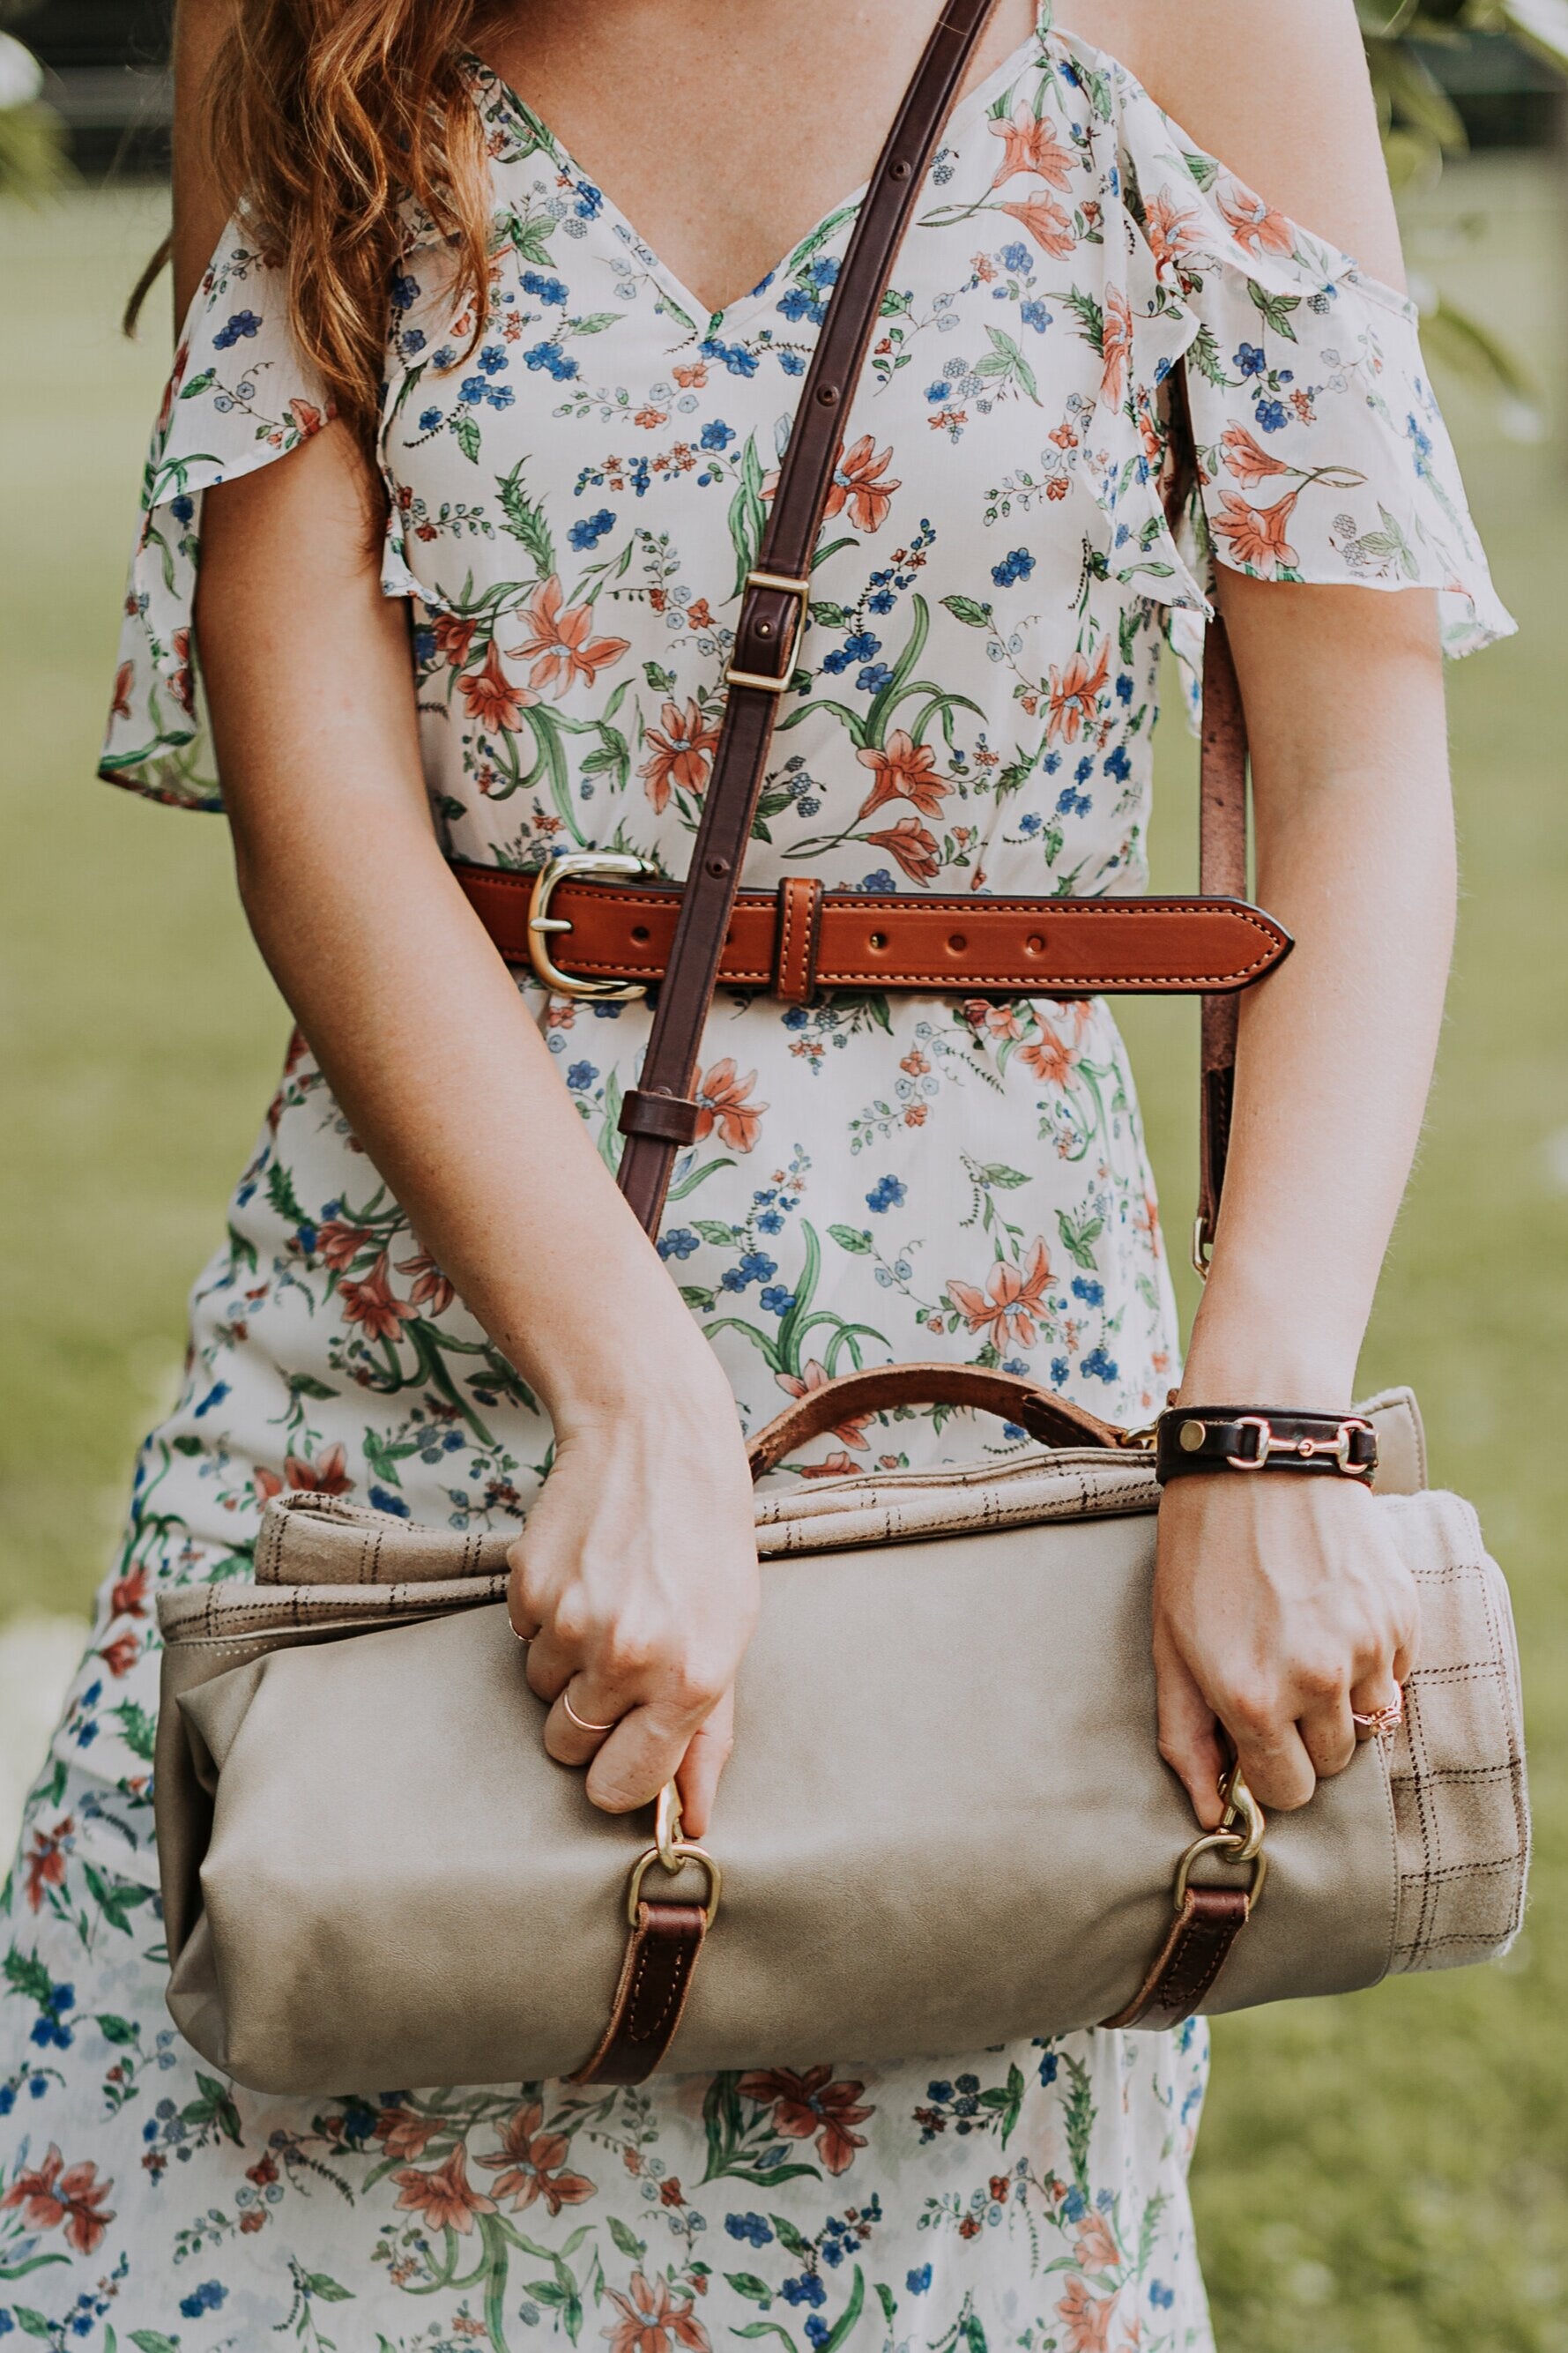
(1355, 855)
(420, 1031)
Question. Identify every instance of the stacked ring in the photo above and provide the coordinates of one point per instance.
(580, 1721)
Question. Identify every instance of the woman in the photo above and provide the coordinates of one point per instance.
(466, 591)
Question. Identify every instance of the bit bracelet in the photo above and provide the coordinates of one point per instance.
(1208, 1438)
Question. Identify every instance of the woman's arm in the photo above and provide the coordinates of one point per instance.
(1279, 1606)
(638, 1562)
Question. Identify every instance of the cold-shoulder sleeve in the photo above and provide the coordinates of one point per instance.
(239, 398)
(1322, 454)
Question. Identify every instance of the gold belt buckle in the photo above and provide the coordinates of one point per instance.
(542, 925)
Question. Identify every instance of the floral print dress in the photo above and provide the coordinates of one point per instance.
(576, 482)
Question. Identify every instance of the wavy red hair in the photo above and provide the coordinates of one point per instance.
(322, 115)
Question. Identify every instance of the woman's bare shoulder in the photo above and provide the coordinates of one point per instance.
(1276, 88)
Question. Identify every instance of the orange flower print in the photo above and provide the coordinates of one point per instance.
(402, 2134)
(444, 2197)
(1030, 145)
(912, 846)
(121, 706)
(1075, 691)
(307, 417)
(722, 1104)
(74, 2196)
(681, 753)
(1248, 460)
(1086, 2319)
(490, 696)
(534, 2160)
(431, 1287)
(1257, 534)
(1050, 1058)
(1012, 1297)
(121, 1655)
(1258, 226)
(128, 1594)
(838, 1465)
(851, 1430)
(693, 378)
(1116, 344)
(1047, 223)
(651, 2320)
(560, 647)
(340, 1243)
(812, 2104)
(44, 1864)
(371, 1302)
(859, 482)
(1172, 231)
(328, 1477)
(906, 770)
(183, 677)
(454, 636)
(1095, 2248)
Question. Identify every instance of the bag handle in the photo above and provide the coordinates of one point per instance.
(1054, 1420)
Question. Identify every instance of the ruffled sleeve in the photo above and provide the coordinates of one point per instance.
(239, 398)
(1321, 452)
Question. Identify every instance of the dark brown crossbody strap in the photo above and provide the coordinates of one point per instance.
(658, 1115)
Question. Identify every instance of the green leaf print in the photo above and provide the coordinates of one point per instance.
(887, 2300)
(214, 2107)
(281, 1194)
(524, 518)
(467, 433)
(967, 609)
(116, 2029)
(1079, 1237)
(765, 2329)
(115, 1902)
(748, 2285)
(593, 323)
(32, 2323)
(26, 1974)
(137, 1728)
(1005, 360)
(747, 515)
(723, 1237)
(331, 2290)
(153, 2341)
(1275, 309)
(627, 2240)
(849, 1238)
(848, 2317)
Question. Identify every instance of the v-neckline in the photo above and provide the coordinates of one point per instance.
(708, 322)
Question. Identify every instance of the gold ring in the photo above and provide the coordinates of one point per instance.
(1382, 1723)
(582, 1722)
(524, 1639)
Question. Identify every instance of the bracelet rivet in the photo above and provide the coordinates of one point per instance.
(1190, 1437)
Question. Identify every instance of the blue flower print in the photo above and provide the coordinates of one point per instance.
(589, 530)
(243, 322)
(493, 360)
(552, 357)
(717, 435)
(1017, 259)
(1160, 2297)
(544, 287)
(1016, 567)
(1273, 416)
(752, 2230)
(776, 1299)
(1092, 1293)
(1035, 314)
(806, 2289)
(1250, 360)
(1099, 1366)
(581, 1074)
(917, 2282)
(429, 420)
(206, 2298)
(680, 1243)
(887, 1193)
(386, 1499)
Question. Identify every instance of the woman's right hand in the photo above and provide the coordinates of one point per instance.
(634, 1582)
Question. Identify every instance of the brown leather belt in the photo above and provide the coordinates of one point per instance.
(598, 937)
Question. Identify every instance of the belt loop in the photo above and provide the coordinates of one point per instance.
(798, 928)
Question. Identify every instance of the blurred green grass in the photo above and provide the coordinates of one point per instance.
(1387, 2174)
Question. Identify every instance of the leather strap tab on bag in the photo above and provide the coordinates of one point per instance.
(1203, 1930)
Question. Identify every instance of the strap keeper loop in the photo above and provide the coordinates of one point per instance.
(669, 1119)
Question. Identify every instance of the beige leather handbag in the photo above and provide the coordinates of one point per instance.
(946, 1823)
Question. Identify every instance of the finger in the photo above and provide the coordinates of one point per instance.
(580, 1720)
(1275, 1765)
(1189, 1735)
(1377, 1695)
(704, 1761)
(1327, 1735)
(645, 1751)
(552, 1663)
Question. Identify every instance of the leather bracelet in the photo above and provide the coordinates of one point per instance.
(1208, 1438)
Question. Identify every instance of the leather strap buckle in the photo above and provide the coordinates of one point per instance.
(775, 684)
(542, 925)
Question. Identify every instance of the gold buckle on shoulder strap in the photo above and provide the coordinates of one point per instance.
(801, 591)
(541, 924)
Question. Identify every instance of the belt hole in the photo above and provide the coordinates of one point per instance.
(641, 933)
(957, 943)
(878, 939)
(1035, 943)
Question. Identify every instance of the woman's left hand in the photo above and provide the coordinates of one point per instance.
(1280, 1608)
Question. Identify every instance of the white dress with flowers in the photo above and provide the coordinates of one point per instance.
(576, 484)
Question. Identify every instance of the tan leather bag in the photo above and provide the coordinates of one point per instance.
(946, 1823)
